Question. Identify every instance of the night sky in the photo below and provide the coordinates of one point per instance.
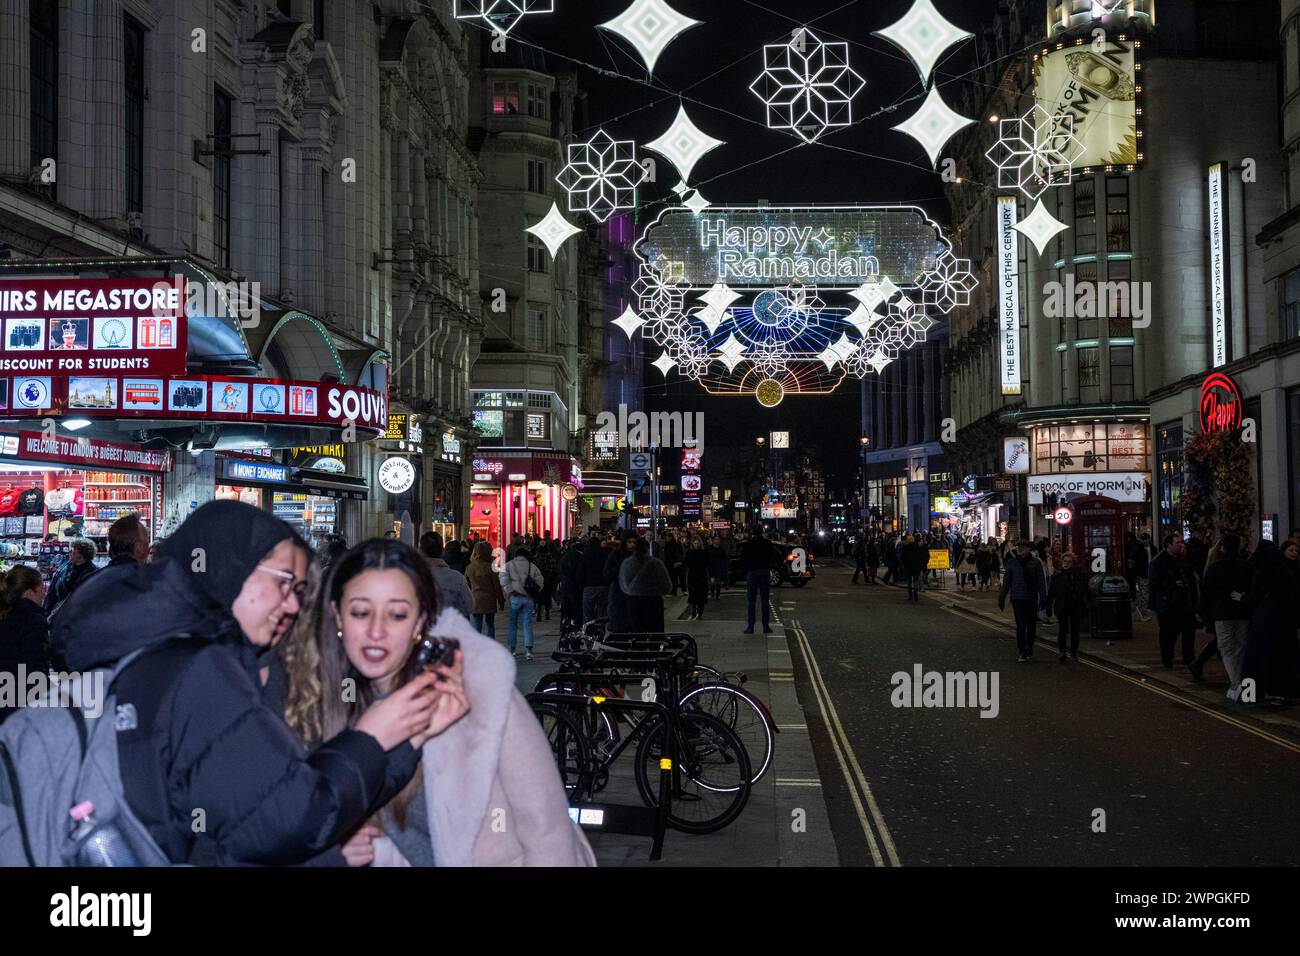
(711, 66)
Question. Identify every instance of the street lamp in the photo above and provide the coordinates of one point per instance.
(864, 443)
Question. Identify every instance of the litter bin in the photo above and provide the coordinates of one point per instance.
(1110, 614)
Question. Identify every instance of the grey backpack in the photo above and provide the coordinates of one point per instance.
(53, 758)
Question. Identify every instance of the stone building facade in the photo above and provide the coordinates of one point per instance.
(314, 150)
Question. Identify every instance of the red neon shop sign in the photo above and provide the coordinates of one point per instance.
(1221, 405)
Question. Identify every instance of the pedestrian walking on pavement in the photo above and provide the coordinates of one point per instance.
(860, 560)
(1136, 567)
(1271, 657)
(719, 565)
(1068, 596)
(645, 580)
(914, 558)
(985, 555)
(591, 577)
(1223, 607)
(757, 557)
(697, 577)
(518, 574)
(1025, 581)
(1174, 599)
(24, 632)
(485, 585)
(873, 561)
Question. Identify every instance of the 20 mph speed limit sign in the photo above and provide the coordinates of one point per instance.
(1063, 515)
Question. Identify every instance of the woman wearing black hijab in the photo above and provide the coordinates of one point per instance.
(197, 741)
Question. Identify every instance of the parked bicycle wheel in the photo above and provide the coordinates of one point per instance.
(743, 713)
(600, 726)
(711, 779)
(569, 745)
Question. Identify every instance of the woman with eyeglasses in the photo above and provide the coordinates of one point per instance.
(208, 763)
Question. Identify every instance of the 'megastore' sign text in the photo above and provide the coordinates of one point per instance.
(67, 327)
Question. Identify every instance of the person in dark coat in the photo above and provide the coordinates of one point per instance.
(1173, 586)
(591, 577)
(873, 560)
(985, 557)
(1068, 598)
(195, 729)
(673, 555)
(456, 556)
(548, 562)
(914, 558)
(1271, 657)
(697, 577)
(1137, 563)
(620, 613)
(571, 584)
(757, 558)
(79, 566)
(860, 560)
(1025, 582)
(644, 579)
(719, 567)
(128, 541)
(1224, 609)
(24, 633)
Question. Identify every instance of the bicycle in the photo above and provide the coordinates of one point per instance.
(711, 774)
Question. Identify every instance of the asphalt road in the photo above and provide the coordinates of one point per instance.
(943, 786)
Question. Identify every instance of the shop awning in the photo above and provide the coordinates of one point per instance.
(328, 485)
(604, 484)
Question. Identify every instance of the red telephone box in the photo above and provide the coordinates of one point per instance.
(1098, 523)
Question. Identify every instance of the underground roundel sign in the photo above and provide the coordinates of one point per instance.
(1220, 404)
(396, 475)
(1063, 515)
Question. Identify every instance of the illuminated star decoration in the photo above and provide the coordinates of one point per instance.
(684, 144)
(602, 176)
(949, 285)
(837, 352)
(717, 300)
(664, 364)
(697, 203)
(1031, 155)
(554, 230)
(807, 85)
(501, 15)
(1101, 8)
(629, 322)
(923, 34)
(732, 353)
(1040, 227)
(933, 125)
(649, 25)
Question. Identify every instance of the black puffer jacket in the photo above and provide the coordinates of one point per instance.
(206, 738)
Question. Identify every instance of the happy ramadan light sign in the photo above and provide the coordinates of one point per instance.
(823, 246)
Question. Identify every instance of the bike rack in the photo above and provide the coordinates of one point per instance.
(618, 817)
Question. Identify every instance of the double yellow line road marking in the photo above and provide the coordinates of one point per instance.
(879, 840)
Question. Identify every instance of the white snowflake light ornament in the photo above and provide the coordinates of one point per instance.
(807, 85)
(500, 15)
(601, 176)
